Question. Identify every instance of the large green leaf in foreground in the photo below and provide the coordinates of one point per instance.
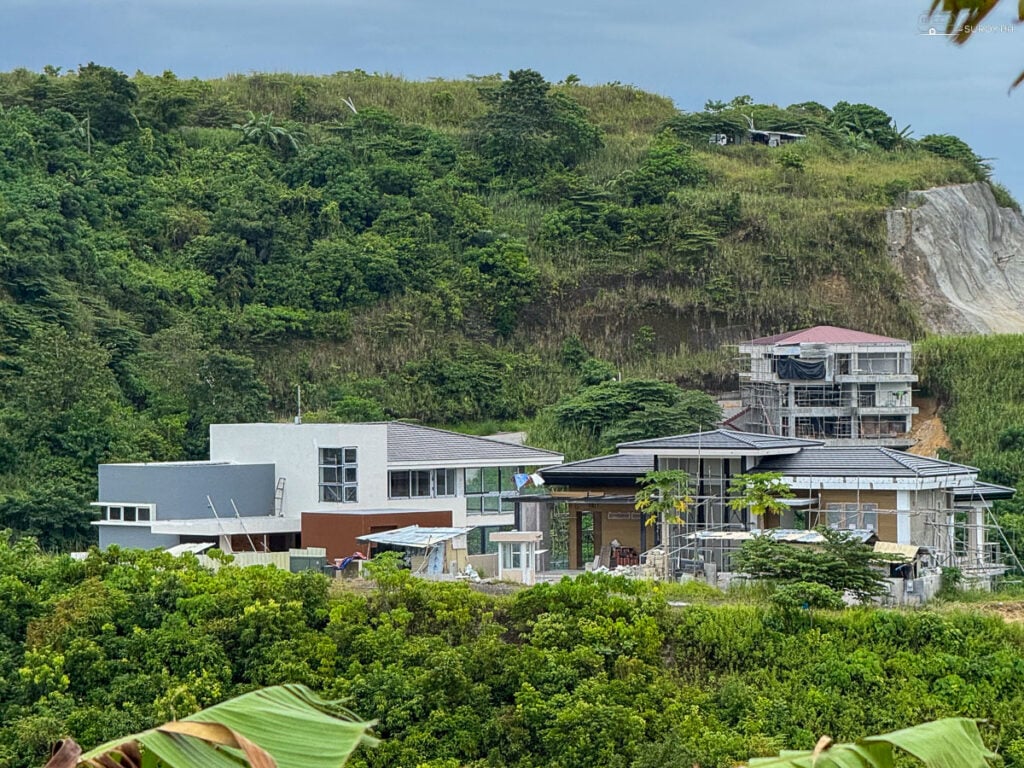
(953, 742)
(284, 726)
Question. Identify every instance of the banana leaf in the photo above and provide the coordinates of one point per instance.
(285, 726)
(953, 742)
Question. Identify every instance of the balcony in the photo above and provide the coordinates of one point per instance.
(870, 377)
(887, 410)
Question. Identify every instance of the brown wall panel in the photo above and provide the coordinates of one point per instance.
(337, 532)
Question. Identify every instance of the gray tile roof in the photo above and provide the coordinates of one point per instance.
(615, 464)
(722, 439)
(414, 443)
(984, 491)
(866, 461)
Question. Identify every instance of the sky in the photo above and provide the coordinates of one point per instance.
(872, 51)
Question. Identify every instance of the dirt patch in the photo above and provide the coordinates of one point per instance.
(927, 429)
(496, 588)
(1012, 612)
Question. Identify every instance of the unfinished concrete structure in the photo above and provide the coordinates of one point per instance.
(838, 385)
(936, 510)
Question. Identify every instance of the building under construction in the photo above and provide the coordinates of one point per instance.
(825, 383)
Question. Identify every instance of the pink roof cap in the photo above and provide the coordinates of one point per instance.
(827, 334)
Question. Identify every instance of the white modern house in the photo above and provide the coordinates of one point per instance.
(268, 486)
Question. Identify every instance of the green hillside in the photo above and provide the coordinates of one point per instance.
(175, 252)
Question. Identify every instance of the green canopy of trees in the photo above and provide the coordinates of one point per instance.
(598, 671)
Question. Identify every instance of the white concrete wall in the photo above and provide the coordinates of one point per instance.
(295, 451)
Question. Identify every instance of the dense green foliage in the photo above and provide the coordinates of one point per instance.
(841, 564)
(593, 672)
(174, 253)
(979, 381)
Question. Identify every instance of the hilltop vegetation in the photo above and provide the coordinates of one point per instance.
(593, 672)
(178, 252)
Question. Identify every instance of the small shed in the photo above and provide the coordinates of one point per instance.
(517, 554)
(433, 552)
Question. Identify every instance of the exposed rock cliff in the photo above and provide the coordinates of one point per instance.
(963, 257)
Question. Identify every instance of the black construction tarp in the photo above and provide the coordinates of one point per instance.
(794, 368)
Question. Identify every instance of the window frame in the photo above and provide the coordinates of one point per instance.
(345, 490)
(503, 477)
(142, 513)
(451, 483)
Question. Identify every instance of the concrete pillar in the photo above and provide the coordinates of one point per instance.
(903, 534)
(975, 536)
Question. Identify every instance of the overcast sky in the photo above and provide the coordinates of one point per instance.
(784, 52)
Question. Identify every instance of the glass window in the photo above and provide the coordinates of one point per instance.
(491, 479)
(398, 485)
(869, 513)
(113, 513)
(474, 481)
(143, 514)
(517, 556)
(478, 541)
(339, 474)
(445, 482)
(419, 483)
(129, 514)
(487, 489)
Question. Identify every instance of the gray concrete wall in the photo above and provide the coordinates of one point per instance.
(133, 537)
(180, 490)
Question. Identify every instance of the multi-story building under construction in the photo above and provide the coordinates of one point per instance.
(842, 386)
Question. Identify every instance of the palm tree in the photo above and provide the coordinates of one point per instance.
(262, 132)
(83, 129)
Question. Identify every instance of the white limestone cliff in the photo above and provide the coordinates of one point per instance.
(963, 258)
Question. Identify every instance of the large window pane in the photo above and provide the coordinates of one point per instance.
(419, 483)
(474, 481)
(491, 480)
(339, 474)
(508, 480)
(399, 485)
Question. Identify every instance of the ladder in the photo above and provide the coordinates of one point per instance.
(279, 498)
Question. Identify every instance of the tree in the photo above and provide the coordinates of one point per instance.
(106, 97)
(866, 122)
(529, 129)
(963, 17)
(665, 496)
(760, 492)
(636, 409)
(285, 726)
(954, 148)
(842, 563)
(263, 132)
